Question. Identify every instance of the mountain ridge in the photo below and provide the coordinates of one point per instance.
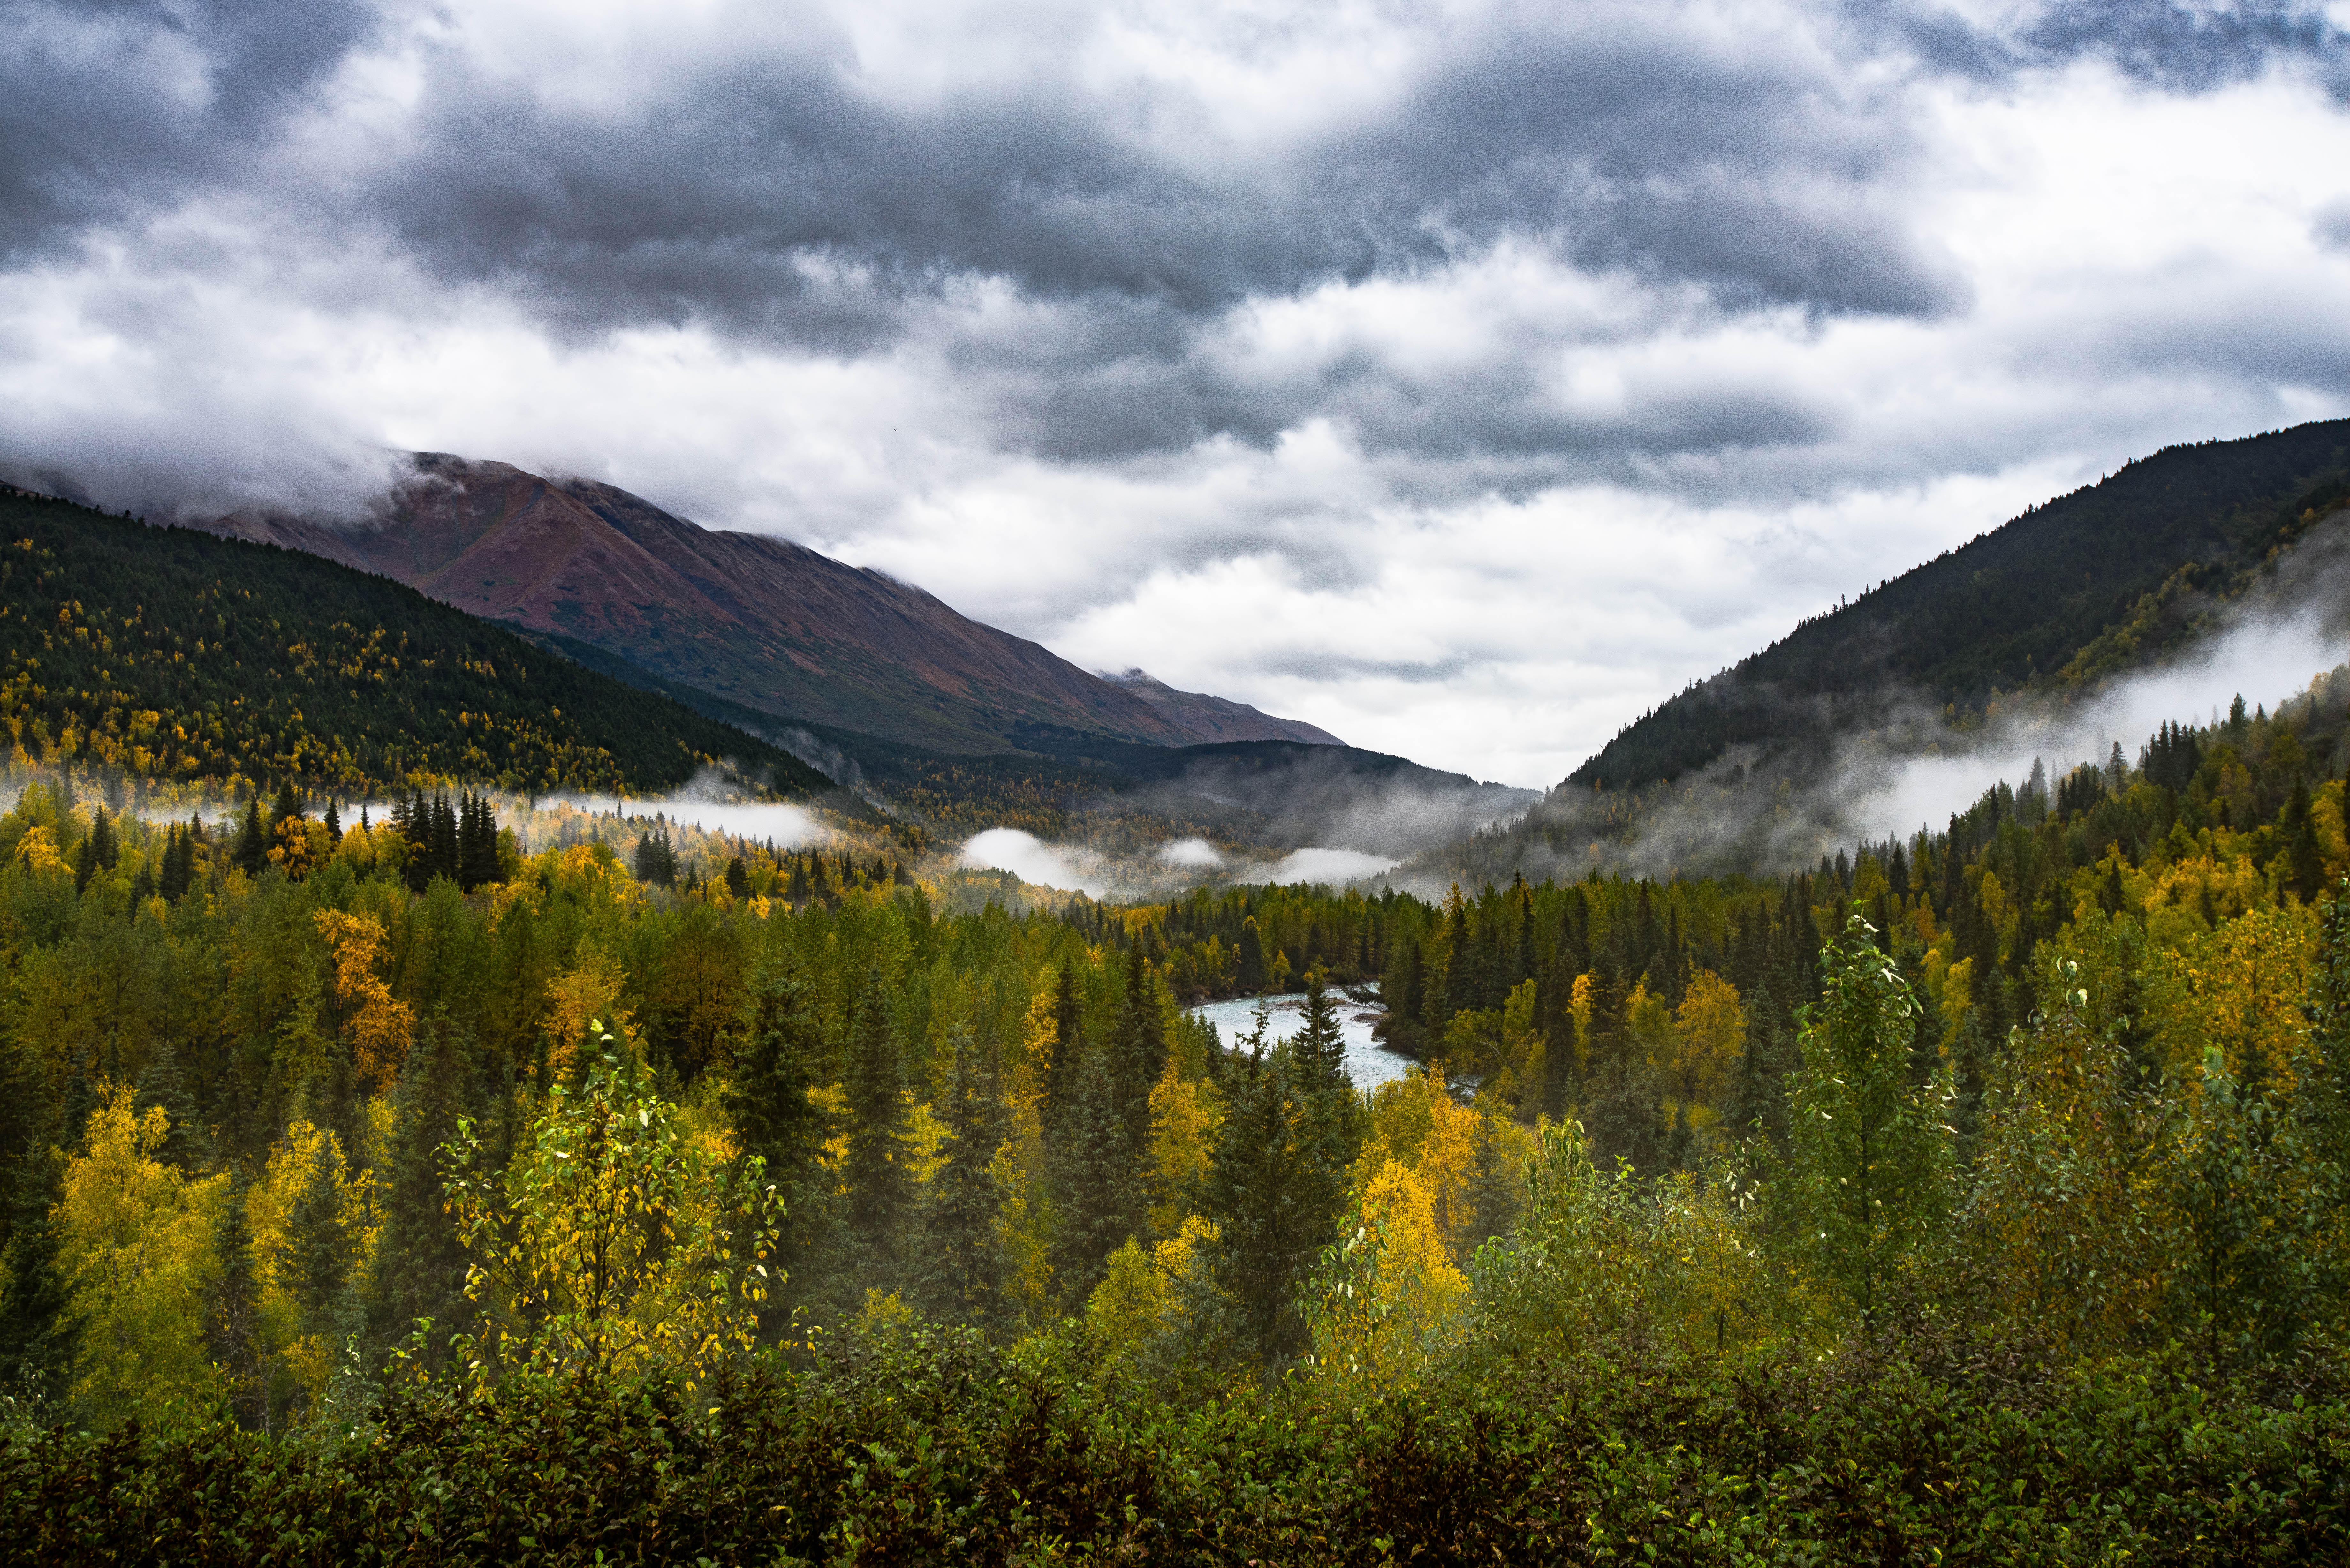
(2014, 605)
(754, 618)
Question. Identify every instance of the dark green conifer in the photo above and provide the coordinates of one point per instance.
(875, 1170)
(1068, 1047)
(252, 851)
(1275, 1196)
(188, 1144)
(1096, 1185)
(767, 1098)
(420, 1270)
(1141, 1046)
(961, 1275)
(1248, 964)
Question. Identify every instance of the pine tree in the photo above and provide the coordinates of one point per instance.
(1068, 1047)
(1275, 1196)
(961, 1277)
(188, 1146)
(233, 1323)
(1097, 1182)
(1248, 968)
(875, 1170)
(2304, 862)
(768, 1099)
(1494, 1188)
(252, 851)
(288, 808)
(738, 879)
(1141, 1046)
(419, 1269)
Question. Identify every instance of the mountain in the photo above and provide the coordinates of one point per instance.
(2112, 573)
(757, 621)
(1215, 718)
(170, 654)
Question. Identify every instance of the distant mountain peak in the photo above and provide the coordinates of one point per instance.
(1214, 719)
(750, 617)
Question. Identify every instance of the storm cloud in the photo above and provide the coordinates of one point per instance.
(1460, 378)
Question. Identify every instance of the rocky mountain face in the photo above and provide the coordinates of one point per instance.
(1218, 718)
(755, 620)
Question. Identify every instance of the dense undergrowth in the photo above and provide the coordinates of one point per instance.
(911, 1444)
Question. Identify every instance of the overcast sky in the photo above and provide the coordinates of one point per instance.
(1464, 379)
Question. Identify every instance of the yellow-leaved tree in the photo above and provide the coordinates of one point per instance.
(614, 1241)
(137, 1251)
(368, 1020)
(1383, 1302)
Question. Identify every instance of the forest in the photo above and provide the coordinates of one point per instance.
(167, 655)
(2075, 589)
(427, 1174)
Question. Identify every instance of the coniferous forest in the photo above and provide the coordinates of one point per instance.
(394, 1184)
(398, 1165)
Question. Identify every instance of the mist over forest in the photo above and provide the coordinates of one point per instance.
(1202, 785)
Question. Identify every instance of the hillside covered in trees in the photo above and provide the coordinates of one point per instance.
(1981, 1194)
(170, 655)
(2113, 573)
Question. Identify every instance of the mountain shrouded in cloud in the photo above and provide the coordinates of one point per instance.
(751, 618)
(1468, 376)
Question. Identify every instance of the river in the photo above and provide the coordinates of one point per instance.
(1368, 1063)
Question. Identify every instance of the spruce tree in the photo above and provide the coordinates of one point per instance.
(419, 1269)
(232, 1324)
(1275, 1195)
(252, 851)
(1141, 1046)
(875, 1170)
(1096, 1185)
(961, 1275)
(188, 1145)
(1068, 1047)
(768, 1099)
(1248, 965)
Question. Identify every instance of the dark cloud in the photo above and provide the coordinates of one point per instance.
(2189, 48)
(768, 196)
(113, 108)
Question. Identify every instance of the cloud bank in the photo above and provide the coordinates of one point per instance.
(1460, 378)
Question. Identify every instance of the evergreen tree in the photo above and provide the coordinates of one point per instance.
(1141, 1046)
(875, 1170)
(1096, 1184)
(288, 808)
(768, 1098)
(252, 851)
(1275, 1194)
(419, 1267)
(1248, 966)
(2303, 871)
(738, 879)
(188, 1145)
(1495, 1196)
(1068, 1047)
(961, 1277)
(233, 1323)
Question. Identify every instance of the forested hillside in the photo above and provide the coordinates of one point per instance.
(2137, 553)
(1966, 1195)
(171, 655)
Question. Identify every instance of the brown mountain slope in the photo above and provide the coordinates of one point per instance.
(759, 620)
(1218, 718)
